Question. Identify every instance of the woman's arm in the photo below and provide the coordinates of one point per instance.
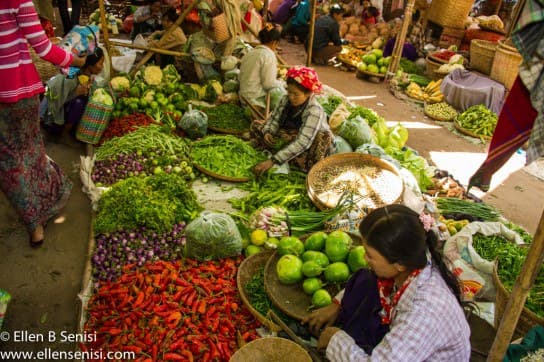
(269, 72)
(306, 135)
(273, 123)
(174, 39)
(29, 23)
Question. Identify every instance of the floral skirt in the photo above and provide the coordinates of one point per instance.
(33, 183)
(321, 146)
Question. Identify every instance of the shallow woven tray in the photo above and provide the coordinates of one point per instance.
(235, 132)
(271, 349)
(291, 299)
(249, 267)
(370, 74)
(438, 118)
(220, 177)
(437, 60)
(469, 133)
(327, 200)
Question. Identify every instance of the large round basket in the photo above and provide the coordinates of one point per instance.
(373, 181)
(527, 319)
(220, 177)
(246, 271)
(482, 53)
(235, 132)
(271, 349)
(449, 13)
(291, 299)
(505, 66)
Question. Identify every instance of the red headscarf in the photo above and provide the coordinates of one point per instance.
(306, 77)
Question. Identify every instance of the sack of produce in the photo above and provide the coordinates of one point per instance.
(375, 150)
(341, 145)
(194, 123)
(212, 235)
(356, 131)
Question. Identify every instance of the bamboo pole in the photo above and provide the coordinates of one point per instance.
(178, 22)
(281, 61)
(399, 43)
(104, 28)
(154, 50)
(311, 33)
(520, 291)
(515, 18)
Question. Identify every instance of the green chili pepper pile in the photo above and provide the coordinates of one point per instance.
(511, 258)
(479, 120)
(226, 155)
(287, 191)
(227, 116)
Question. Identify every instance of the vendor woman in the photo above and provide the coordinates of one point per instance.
(66, 98)
(297, 131)
(407, 308)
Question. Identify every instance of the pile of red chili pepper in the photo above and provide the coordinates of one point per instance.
(444, 54)
(171, 311)
(123, 125)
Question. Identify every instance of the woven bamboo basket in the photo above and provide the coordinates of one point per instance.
(271, 349)
(247, 269)
(527, 319)
(449, 13)
(482, 53)
(505, 66)
(45, 69)
(431, 67)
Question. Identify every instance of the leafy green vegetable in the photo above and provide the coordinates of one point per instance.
(227, 116)
(408, 66)
(156, 202)
(329, 103)
(367, 114)
(355, 131)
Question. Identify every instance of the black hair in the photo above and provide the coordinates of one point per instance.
(171, 15)
(268, 35)
(298, 85)
(151, 2)
(372, 10)
(94, 57)
(416, 15)
(397, 233)
(336, 9)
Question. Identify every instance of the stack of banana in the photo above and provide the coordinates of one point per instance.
(431, 93)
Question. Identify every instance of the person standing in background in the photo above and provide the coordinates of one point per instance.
(34, 185)
(69, 20)
(327, 31)
(147, 18)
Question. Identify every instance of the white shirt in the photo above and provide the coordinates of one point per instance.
(428, 325)
(258, 71)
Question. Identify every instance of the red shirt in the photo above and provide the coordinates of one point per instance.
(20, 24)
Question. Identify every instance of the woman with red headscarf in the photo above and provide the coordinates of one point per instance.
(297, 130)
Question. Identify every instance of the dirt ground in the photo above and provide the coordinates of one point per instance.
(45, 283)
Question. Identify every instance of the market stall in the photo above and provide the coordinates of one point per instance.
(165, 271)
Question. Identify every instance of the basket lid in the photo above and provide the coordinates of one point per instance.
(271, 349)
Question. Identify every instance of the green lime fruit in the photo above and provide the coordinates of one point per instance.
(252, 249)
(337, 245)
(290, 245)
(311, 285)
(289, 269)
(356, 258)
(316, 241)
(321, 298)
(317, 256)
(337, 272)
(310, 268)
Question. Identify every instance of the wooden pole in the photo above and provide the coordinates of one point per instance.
(178, 22)
(311, 33)
(400, 39)
(154, 50)
(281, 61)
(515, 17)
(265, 11)
(520, 291)
(104, 28)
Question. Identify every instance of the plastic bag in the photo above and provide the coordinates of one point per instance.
(231, 86)
(356, 131)
(81, 40)
(341, 145)
(212, 235)
(194, 123)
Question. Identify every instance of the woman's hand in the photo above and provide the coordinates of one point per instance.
(78, 61)
(83, 90)
(269, 140)
(325, 337)
(322, 317)
(262, 167)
